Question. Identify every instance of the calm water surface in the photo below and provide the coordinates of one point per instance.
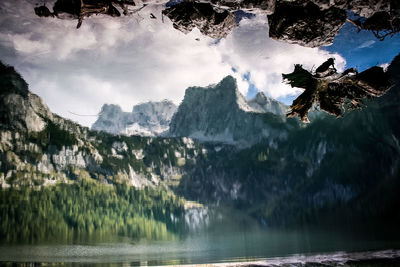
(220, 243)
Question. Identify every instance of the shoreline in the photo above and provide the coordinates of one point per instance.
(388, 257)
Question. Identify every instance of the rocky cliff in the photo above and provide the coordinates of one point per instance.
(306, 25)
(305, 22)
(210, 21)
(263, 104)
(146, 119)
(220, 113)
(329, 165)
(322, 172)
(39, 148)
(316, 23)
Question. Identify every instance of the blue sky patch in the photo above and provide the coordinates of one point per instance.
(363, 50)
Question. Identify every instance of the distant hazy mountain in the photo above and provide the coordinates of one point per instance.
(221, 113)
(146, 119)
(263, 104)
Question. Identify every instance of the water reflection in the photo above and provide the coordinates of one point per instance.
(224, 240)
(205, 234)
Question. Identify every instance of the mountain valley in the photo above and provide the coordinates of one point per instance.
(290, 172)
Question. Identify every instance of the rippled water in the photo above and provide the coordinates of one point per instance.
(221, 243)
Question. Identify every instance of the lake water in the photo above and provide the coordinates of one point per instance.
(217, 243)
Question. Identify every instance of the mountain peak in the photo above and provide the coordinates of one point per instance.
(227, 85)
(110, 108)
(19, 108)
(221, 113)
(11, 81)
(148, 119)
(165, 103)
(260, 96)
(228, 80)
(264, 104)
(224, 92)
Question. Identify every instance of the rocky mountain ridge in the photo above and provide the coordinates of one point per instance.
(304, 22)
(217, 113)
(328, 170)
(146, 119)
(40, 148)
(353, 160)
(221, 113)
(264, 104)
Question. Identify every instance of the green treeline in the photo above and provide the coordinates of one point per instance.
(87, 210)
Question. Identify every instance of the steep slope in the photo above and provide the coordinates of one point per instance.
(146, 119)
(263, 104)
(332, 170)
(111, 119)
(61, 182)
(216, 23)
(221, 114)
(39, 148)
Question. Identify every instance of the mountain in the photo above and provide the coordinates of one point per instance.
(304, 22)
(220, 113)
(38, 147)
(61, 181)
(263, 104)
(213, 22)
(329, 171)
(146, 119)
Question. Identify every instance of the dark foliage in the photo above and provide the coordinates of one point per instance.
(67, 213)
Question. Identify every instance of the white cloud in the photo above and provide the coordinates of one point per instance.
(366, 44)
(250, 50)
(132, 59)
(385, 66)
(123, 60)
(25, 45)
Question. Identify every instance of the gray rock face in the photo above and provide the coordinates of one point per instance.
(306, 25)
(20, 109)
(210, 21)
(69, 157)
(322, 4)
(148, 119)
(220, 113)
(111, 119)
(316, 23)
(304, 22)
(264, 6)
(263, 104)
(368, 8)
(39, 148)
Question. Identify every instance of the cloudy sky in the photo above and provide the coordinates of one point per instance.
(133, 59)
